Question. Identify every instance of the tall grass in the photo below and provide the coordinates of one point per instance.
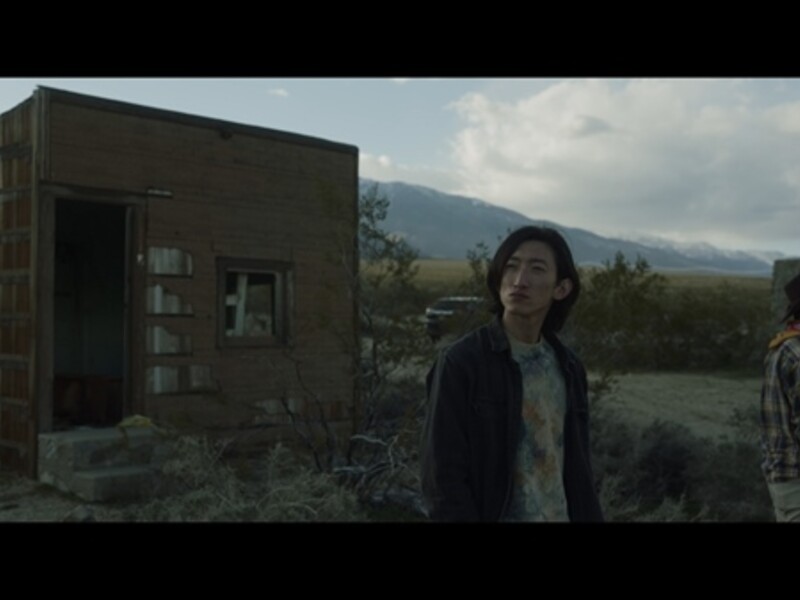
(200, 483)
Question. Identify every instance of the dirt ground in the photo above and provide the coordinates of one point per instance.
(25, 500)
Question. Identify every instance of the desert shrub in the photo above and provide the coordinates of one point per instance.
(199, 484)
(401, 402)
(382, 466)
(295, 492)
(629, 318)
(614, 321)
(638, 471)
(664, 455)
(616, 498)
(376, 462)
(729, 479)
(729, 483)
(611, 442)
(672, 511)
(389, 298)
(663, 472)
(392, 335)
(478, 259)
(637, 479)
(717, 327)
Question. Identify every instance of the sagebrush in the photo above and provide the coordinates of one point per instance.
(199, 482)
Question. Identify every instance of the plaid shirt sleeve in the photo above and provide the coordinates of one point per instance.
(780, 412)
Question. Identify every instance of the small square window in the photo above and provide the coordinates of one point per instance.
(253, 302)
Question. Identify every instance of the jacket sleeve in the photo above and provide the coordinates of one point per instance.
(591, 509)
(583, 414)
(446, 449)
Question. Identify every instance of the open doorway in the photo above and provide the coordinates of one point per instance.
(89, 350)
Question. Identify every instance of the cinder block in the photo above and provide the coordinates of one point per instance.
(113, 483)
(91, 462)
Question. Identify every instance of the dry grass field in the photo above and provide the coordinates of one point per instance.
(706, 280)
(708, 404)
(443, 274)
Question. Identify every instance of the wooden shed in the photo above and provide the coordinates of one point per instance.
(195, 271)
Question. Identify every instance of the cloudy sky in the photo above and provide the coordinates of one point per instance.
(690, 160)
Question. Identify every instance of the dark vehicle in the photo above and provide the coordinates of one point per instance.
(450, 314)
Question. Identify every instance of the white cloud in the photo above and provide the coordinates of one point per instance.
(785, 117)
(662, 157)
(278, 92)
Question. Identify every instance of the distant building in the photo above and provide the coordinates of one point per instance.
(783, 271)
(191, 270)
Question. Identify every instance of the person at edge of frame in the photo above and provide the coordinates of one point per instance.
(780, 412)
(506, 436)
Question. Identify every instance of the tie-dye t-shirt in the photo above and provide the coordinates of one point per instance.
(538, 490)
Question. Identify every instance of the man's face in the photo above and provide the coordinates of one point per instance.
(529, 284)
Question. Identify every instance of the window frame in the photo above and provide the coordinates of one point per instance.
(283, 299)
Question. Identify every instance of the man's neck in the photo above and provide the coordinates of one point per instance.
(523, 329)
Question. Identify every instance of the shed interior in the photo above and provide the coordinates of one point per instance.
(89, 321)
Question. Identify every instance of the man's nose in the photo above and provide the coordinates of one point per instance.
(521, 278)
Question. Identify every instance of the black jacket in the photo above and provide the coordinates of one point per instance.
(473, 424)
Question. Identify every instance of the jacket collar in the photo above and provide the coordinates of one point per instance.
(497, 336)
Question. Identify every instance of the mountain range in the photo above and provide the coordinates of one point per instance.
(446, 226)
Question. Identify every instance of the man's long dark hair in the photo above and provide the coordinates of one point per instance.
(565, 269)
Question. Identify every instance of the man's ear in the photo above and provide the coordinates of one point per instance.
(563, 289)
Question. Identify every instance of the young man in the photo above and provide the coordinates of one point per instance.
(507, 432)
(780, 412)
